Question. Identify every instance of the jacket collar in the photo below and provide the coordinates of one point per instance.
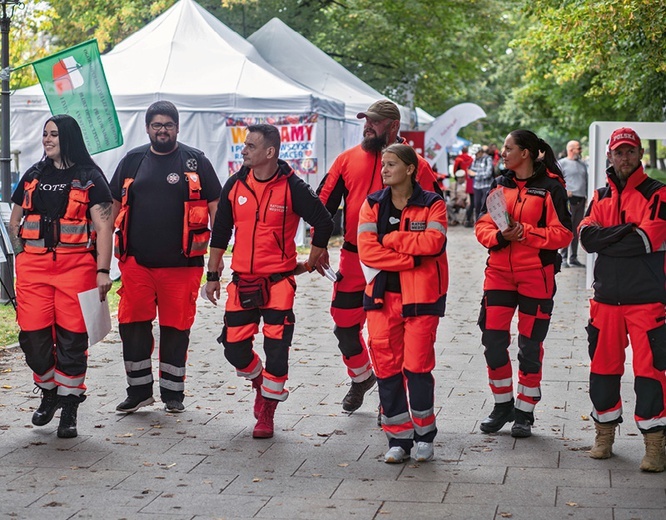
(634, 179)
(284, 170)
(418, 197)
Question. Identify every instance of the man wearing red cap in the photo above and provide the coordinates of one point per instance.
(626, 226)
(355, 174)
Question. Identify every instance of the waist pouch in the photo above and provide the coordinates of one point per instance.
(252, 291)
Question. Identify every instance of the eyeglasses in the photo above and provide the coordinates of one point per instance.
(159, 126)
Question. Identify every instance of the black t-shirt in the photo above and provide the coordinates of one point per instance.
(156, 201)
(393, 279)
(50, 198)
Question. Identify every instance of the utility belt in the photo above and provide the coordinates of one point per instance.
(348, 246)
(253, 290)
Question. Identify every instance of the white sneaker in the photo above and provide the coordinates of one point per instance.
(395, 455)
(424, 452)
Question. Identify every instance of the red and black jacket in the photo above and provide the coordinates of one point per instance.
(265, 229)
(416, 251)
(541, 207)
(626, 227)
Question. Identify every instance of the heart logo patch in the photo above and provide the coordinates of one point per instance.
(242, 200)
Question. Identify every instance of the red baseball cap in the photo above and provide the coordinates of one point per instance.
(624, 135)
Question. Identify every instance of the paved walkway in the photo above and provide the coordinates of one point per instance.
(323, 464)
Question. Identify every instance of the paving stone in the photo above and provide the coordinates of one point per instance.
(518, 512)
(429, 511)
(206, 504)
(282, 486)
(648, 498)
(517, 494)
(300, 508)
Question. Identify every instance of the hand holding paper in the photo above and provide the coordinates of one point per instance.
(496, 205)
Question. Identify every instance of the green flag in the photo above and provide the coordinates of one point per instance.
(74, 83)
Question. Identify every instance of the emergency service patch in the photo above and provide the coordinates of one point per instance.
(539, 192)
(191, 164)
(173, 178)
(417, 226)
(242, 200)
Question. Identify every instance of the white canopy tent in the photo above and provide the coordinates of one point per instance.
(208, 71)
(305, 63)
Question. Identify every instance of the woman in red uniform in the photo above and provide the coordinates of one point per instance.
(61, 229)
(401, 245)
(520, 273)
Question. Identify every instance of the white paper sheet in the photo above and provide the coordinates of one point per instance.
(496, 205)
(369, 272)
(96, 315)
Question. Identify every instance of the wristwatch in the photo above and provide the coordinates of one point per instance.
(212, 276)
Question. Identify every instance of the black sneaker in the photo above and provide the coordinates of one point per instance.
(174, 406)
(132, 404)
(522, 427)
(502, 413)
(354, 398)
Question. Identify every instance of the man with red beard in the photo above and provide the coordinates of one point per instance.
(355, 174)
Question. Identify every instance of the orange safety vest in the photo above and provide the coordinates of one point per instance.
(73, 231)
(196, 233)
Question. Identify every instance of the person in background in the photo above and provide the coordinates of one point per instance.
(523, 259)
(483, 178)
(354, 174)
(575, 177)
(625, 225)
(261, 205)
(402, 234)
(61, 230)
(165, 194)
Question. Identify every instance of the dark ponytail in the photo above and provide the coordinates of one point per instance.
(528, 140)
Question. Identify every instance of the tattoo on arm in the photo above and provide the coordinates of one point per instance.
(17, 243)
(105, 210)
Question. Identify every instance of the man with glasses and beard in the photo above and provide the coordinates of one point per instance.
(165, 194)
(355, 174)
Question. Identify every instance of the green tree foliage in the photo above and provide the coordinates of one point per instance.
(590, 60)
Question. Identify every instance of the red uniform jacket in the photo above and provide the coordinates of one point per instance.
(541, 207)
(417, 251)
(266, 228)
(627, 228)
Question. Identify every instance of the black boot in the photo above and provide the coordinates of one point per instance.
(502, 413)
(47, 408)
(67, 426)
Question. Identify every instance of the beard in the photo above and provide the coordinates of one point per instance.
(374, 144)
(161, 146)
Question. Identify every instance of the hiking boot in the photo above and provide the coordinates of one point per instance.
(47, 408)
(502, 413)
(67, 426)
(354, 398)
(264, 427)
(258, 398)
(603, 441)
(133, 403)
(395, 455)
(424, 452)
(654, 460)
(174, 406)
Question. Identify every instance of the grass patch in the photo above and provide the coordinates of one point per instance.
(660, 175)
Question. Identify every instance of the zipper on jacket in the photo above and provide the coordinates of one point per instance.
(256, 222)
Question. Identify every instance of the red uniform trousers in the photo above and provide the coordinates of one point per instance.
(53, 334)
(403, 356)
(146, 292)
(349, 316)
(532, 293)
(607, 336)
(241, 325)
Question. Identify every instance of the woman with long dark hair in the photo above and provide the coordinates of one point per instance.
(402, 241)
(61, 230)
(522, 262)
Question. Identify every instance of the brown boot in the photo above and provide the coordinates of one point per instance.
(258, 398)
(655, 457)
(264, 427)
(603, 442)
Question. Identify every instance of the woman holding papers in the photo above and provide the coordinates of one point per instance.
(61, 231)
(401, 245)
(523, 224)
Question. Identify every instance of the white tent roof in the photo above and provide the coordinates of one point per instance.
(188, 56)
(304, 62)
(208, 71)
